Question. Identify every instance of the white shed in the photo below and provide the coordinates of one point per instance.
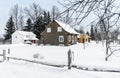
(24, 37)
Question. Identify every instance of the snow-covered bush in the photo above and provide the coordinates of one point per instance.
(38, 56)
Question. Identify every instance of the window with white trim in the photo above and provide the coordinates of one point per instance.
(59, 29)
(48, 30)
(61, 38)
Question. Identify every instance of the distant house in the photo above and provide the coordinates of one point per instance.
(83, 38)
(59, 33)
(24, 37)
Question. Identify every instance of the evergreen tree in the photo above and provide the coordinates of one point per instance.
(40, 23)
(46, 18)
(29, 25)
(87, 33)
(10, 28)
(92, 33)
(39, 26)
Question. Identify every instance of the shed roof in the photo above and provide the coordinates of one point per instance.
(25, 33)
(31, 35)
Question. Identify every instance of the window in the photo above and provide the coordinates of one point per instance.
(59, 29)
(48, 29)
(61, 38)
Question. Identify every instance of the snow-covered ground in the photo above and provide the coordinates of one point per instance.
(93, 56)
(30, 70)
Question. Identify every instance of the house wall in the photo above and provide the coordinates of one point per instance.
(71, 39)
(52, 37)
(17, 38)
(83, 38)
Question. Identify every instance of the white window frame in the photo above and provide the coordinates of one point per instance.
(48, 29)
(61, 38)
(59, 29)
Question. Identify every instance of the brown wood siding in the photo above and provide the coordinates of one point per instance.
(52, 37)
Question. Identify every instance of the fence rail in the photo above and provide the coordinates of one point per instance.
(6, 56)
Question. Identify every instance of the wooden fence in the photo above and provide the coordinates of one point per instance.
(6, 56)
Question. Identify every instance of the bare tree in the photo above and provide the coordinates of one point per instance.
(108, 18)
(21, 19)
(55, 13)
(79, 9)
(33, 12)
(15, 14)
(18, 17)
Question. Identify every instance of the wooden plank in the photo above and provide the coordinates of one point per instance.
(38, 62)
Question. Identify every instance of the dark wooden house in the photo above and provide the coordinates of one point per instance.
(59, 33)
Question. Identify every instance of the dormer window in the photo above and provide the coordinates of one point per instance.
(59, 29)
(48, 30)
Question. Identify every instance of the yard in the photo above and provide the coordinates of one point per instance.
(93, 56)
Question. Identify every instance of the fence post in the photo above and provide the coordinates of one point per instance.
(69, 59)
(4, 55)
(8, 54)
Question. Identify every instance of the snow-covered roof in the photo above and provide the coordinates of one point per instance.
(28, 35)
(30, 38)
(25, 33)
(66, 27)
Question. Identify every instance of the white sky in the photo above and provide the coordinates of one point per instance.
(6, 5)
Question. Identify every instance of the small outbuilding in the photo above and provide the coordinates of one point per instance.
(24, 37)
(83, 38)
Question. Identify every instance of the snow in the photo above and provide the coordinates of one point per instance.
(28, 70)
(66, 27)
(91, 56)
(27, 35)
(118, 37)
